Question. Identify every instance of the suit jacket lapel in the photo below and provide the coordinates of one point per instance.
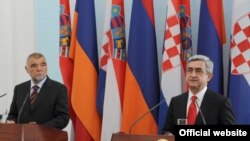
(27, 93)
(205, 106)
(183, 112)
(42, 93)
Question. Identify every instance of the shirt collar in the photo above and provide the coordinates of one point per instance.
(199, 95)
(39, 84)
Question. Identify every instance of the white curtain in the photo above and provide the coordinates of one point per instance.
(16, 42)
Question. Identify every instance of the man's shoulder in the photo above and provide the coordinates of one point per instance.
(216, 96)
(181, 96)
(23, 84)
(54, 82)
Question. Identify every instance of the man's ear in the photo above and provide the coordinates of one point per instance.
(209, 76)
(26, 68)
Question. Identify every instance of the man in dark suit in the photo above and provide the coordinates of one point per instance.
(50, 105)
(214, 108)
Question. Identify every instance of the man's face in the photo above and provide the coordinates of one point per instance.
(196, 75)
(37, 69)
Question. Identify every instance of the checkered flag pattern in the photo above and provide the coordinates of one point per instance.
(171, 54)
(240, 46)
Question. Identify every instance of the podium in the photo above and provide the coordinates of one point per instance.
(31, 132)
(131, 137)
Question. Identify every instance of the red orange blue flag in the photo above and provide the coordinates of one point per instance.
(83, 51)
(142, 86)
(211, 38)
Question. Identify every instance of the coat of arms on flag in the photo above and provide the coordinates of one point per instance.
(65, 32)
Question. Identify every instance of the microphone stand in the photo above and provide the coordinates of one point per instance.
(142, 116)
(21, 109)
(203, 119)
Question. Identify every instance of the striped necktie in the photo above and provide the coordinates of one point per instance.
(33, 96)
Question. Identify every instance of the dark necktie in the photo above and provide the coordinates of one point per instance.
(33, 96)
(192, 111)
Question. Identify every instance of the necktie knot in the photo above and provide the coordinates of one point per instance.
(194, 98)
(35, 88)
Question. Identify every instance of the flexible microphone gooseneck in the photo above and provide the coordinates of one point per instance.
(142, 116)
(203, 119)
(3, 95)
(21, 109)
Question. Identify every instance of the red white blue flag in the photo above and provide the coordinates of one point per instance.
(239, 86)
(114, 54)
(177, 49)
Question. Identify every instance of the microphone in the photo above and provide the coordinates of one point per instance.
(19, 113)
(203, 119)
(3, 95)
(5, 115)
(142, 116)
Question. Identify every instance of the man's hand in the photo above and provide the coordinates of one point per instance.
(33, 122)
(10, 121)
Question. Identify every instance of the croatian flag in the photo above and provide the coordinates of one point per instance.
(239, 86)
(177, 49)
(114, 53)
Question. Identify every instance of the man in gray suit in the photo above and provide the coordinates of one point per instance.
(49, 106)
(210, 107)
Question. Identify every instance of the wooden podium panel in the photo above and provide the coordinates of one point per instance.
(31, 132)
(130, 137)
(34, 132)
(10, 132)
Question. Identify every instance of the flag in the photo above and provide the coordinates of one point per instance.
(211, 39)
(239, 87)
(66, 63)
(83, 51)
(114, 50)
(177, 49)
(142, 87)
